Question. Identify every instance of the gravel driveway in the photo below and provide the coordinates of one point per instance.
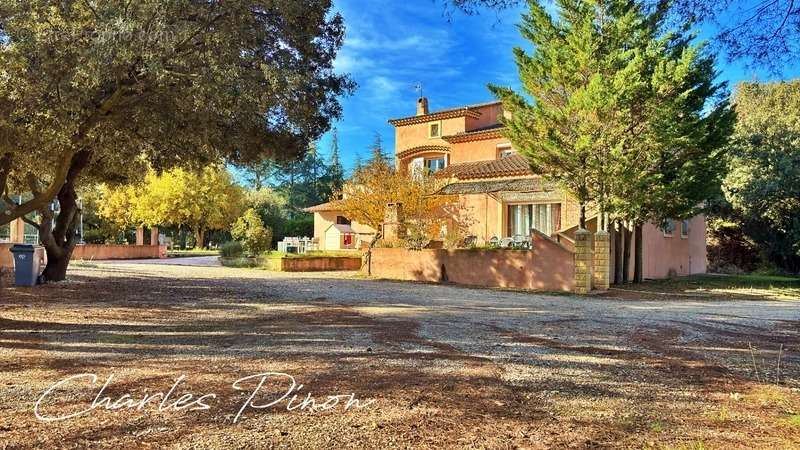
(446, 366)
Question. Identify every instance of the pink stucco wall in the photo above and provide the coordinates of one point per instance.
(5, 256)
(547, 267)
(99, 252)
(676, 254)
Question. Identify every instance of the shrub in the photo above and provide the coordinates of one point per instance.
(251, 232)
(300, 226)
(231, 249)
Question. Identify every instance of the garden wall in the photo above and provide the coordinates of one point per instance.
(297, 264)
(549, 266)
(320, 264)
(98, 252)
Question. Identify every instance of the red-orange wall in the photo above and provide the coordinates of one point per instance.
(409, 136)
(547, 267)
(684, 256)
(98, 252)
(488, 117)
(475, 150)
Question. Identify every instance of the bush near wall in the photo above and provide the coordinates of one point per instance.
(311, 262)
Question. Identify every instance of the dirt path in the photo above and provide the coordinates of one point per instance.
(445, 366)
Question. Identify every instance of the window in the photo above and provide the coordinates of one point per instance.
(668, 227)
(5, 233)
(504, 151)
(341, 220)
(434, 164)
(545, 218)
(685, 228)
(435, 130)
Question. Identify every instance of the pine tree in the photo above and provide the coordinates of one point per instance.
(377, 152)
(335, 172)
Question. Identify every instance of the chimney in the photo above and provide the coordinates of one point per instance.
(422, 106)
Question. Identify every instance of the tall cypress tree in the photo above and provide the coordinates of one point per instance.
(623, 115)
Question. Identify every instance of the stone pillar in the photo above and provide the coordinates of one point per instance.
(601, 266)
(140, 236)
(17, 227)
(583, 261)
(154, 236)
(393, 222)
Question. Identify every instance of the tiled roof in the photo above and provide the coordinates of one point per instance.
(514, 165)
(467, 110)
(489, 132)
(423, 149)
(327, 206)
(484, 187)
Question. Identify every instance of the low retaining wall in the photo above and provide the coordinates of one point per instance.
(319, 264)
(548, 266)
(98, 252)
(309, 264)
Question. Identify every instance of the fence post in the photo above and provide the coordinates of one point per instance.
(601, 268)
(583, 261)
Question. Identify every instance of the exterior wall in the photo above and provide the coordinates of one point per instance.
(409, 136)
(482, 150)
(482, 214)
(548, 266)
(320, 264)
(681, 256)
(402, 164)
(324, 219)
(5, 256)
(489, 116)
(98, 252)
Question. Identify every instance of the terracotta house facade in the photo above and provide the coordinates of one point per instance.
(500, 197)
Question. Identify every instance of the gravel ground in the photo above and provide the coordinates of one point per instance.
(445, 366)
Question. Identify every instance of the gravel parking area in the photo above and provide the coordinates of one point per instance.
(433, 366)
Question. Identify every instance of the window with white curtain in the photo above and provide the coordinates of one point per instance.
(543, 217)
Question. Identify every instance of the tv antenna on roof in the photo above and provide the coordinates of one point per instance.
(418, 88)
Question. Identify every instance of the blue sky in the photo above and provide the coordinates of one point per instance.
(392, 45)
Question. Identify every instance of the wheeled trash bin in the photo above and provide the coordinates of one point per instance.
(29, 261)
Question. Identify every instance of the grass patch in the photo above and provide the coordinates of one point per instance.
(191, 253)
(83, 263)
(794, 420)
(753, 286)
(314, 254)
(240, 262)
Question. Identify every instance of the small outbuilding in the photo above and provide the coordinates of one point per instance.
(340, 237)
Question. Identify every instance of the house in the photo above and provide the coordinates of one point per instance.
(501, 196)
(334, 231)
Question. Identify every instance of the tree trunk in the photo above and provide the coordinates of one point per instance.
(368, 255)
(583, 216)
(199, 238)
(59, 236)
(638, 257)
(618, 238)
(626, 257)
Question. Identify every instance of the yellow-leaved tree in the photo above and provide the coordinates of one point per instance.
(200, 201)
(372, 187)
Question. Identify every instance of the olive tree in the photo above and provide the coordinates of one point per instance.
(100, 90)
